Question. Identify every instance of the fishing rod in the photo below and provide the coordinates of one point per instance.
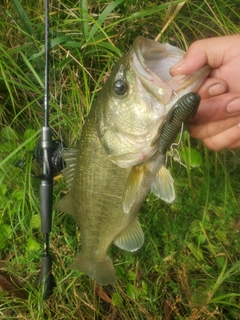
(48, 155)
(47, 281)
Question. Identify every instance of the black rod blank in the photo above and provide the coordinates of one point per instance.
(46, 91)
(46, 185)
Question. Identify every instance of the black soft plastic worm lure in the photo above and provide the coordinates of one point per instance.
(184, 109)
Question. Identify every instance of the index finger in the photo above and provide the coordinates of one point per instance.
(206, 51)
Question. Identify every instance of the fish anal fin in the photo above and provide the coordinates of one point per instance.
(101, 270)
(132, 187)
(162, 185)
(131, 238)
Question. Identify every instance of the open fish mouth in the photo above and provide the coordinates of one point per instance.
(151, 62)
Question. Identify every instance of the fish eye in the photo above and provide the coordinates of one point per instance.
(120, 87)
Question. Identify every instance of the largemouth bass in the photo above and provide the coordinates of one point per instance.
(118, 161)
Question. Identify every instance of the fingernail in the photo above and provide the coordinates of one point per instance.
(234, 105)
(178, 64)
(217, 89)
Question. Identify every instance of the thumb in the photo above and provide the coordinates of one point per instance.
(207, 51)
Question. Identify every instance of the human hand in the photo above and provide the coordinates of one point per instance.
(217, 121)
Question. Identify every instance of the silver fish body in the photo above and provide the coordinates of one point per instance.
(116, 164)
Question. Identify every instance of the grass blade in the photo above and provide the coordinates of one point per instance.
(84, 18)
(103, 16)
(23, 17)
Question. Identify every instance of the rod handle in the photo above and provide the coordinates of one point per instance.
(47, 281)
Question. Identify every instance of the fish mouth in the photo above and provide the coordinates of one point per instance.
(151, 62)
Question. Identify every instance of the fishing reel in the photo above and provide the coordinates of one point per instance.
(56, 160)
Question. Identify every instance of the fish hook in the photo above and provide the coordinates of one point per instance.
(175, 145)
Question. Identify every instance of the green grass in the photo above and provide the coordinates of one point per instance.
(189, 265)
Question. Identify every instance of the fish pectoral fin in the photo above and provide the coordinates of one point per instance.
(132, 187)
(131, 238)
(162, 185)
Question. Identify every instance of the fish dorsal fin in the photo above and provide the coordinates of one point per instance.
(132, 187)
(70, 157)
(162, 185)
(131, 238)
(65, 204)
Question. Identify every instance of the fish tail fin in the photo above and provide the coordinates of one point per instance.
(102, 271)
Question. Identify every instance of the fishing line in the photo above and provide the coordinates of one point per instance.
(174, 153)
(58, 89)
(175, 146)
